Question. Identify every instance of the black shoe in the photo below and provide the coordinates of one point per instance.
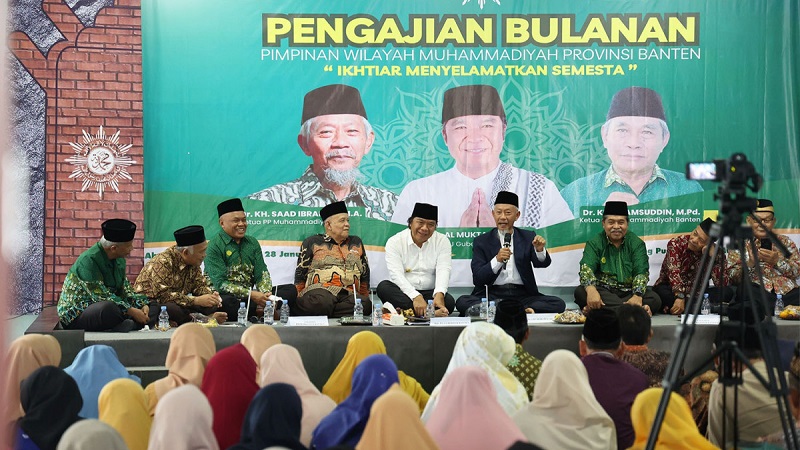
(124, 326)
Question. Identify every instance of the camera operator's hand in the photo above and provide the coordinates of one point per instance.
(770, 257)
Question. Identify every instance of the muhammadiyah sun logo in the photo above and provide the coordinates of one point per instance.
(100, 161)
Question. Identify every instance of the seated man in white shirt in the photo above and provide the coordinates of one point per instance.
(419, 263)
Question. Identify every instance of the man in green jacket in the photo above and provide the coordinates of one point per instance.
(614, 268)
(97, 295)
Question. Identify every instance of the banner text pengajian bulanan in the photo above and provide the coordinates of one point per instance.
(364, 30)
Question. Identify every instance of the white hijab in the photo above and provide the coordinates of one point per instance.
(564, 413)
(487, 346)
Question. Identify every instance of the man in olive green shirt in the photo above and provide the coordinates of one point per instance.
(511, 317)
(97, 295)
(614, 268)
(235, 264)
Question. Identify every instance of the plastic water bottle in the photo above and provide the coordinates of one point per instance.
(163, 319)
(242, 316)
(778, 305)
(269, 313)
(492, 311)
(705, 307)
(377, 314)
(284, 312)
(430, 311)
(358, 310)
(484, 308)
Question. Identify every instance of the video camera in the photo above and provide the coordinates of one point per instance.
(734, 172)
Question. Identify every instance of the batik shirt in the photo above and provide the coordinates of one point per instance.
(324, 264)
(681, 265)
(525, 368)
(652, 363)
(167, 279)
(780, 278)
(595, 189)
(625, 268)
(309, 191)
(236, 268)
(95, 278)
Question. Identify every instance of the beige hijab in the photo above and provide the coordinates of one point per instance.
(257, 339)
(394, 424)
(26, 354)
(282, 364)
(564, 413)
(183, 420)
(190, 348)
(91, 434)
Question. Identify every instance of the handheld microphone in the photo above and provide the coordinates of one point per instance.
(506, 244)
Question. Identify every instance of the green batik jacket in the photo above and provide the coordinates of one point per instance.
(95, 278)
(625, 268)
(236, 268)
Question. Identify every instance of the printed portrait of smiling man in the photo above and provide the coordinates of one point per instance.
(473, 129)
(635, 134)
(336, 134)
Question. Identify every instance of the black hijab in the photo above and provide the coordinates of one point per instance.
(51, 400)
(272, 419)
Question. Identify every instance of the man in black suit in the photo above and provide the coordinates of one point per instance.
(504, 259)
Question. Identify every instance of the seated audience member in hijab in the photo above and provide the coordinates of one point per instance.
(361, 345)
(51, 401)
(25, 354)
(257, 338)
(282, 364)
(678, 430)
(511, 317)
(230, 384)
(123, 405)
(614, 382)
(468, 415)
(344, 426)
(183, 420)
(91, 434)
(564, 413)
(487, 346)
(190, 348)
(394, 425)
(636, 331)
(93, 368)
(272, 420)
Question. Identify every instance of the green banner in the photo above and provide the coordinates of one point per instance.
(587, 102)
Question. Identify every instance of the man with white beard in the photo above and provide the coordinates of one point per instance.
(336, 134)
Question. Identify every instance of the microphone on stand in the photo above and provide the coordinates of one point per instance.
(506, 244)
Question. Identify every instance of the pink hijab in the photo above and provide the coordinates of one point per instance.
(468, 415)
(281, 363)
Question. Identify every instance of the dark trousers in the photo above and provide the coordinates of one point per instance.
(716, 295)
(613, 298)
(790, 298)
(100, 316)
(389, 292)
(539, 303)
(179, 314)
(321, 302)
(230, 302)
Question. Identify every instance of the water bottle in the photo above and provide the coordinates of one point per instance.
(377, 314)
(492, 311)
(242, 318)
(163, 319)
(284, 312)
(484, 308)
(430, 311)
(358, 310)
(269, 313)
(705, 307)
(779, 305)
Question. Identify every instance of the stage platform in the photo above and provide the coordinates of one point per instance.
(421, 351)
